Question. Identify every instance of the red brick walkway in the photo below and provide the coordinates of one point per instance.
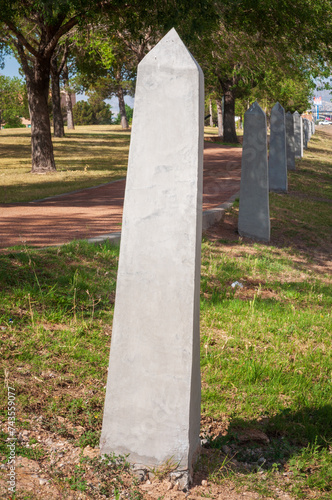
(97, 211)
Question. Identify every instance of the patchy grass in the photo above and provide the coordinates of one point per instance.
(266, 346)
(265, 356)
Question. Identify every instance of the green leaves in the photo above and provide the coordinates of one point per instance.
(13, 101)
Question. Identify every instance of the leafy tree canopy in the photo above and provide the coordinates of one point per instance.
(13, 101)
(129, 114)
(92, 112)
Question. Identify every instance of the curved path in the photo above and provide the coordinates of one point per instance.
(95, 212)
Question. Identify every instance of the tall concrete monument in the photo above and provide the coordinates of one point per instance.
(305, 133)
(152, 404)
(290, 143)
(254, 212)
(277, 153)
(298, 134)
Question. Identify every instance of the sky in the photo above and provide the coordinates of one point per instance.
(12, 69)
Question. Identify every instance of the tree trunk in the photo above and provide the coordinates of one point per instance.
(220, 116)
(59, 130)
(38, 81)
(229, 113)
(211, 111)
(69, 104)
(122, 108)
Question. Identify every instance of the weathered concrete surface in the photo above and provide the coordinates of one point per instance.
(277, 152)
(152, 405)
(298, 135)
(254, 212)
(305, 123)
(290, 143)
(309, 130)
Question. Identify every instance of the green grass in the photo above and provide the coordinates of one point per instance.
(265, 348)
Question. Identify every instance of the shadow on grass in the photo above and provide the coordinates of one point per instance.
(295, 442)
(109, 135)
(89, 146)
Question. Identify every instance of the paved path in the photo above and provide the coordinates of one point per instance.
(97, 211)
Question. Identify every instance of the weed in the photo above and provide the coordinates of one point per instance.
(164, 469)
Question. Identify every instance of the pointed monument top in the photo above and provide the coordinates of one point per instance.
(296, 113)
(255, 109)
(278, 107)
(170, 51)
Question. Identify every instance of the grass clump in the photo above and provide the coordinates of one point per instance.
(266, 343)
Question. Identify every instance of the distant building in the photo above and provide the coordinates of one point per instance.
(26, 122)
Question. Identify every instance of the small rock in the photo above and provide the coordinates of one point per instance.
(261, 460)
(169, 486)
(204, 482)
(226, 449)
(42, 482)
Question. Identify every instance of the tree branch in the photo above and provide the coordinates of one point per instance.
(23, 41)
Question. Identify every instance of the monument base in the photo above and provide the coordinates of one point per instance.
(182, 478)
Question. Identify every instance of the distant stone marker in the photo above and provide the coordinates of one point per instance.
(277, 152)
(152, 404)
(305, 133)
(254, 213)
(309, 130)
(290, 144)
(298, 135)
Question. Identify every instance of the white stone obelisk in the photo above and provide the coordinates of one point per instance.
(298, 134)
(277, 154)
(152, 404)
(254, 210)
(290, 143)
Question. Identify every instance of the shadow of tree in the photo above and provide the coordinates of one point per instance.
(288, 441)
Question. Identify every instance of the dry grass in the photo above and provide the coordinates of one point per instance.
(87, 156)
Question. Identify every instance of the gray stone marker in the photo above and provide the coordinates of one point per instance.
(305, 133)
(290, 143)
(309, 130)
(152, 404)
(277, 152)
(298, 135)
(254, 213)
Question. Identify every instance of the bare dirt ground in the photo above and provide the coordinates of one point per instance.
(38, 479)
(97, 211)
